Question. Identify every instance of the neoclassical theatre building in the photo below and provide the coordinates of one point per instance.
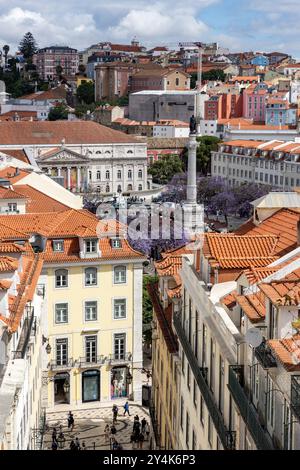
(86, 155)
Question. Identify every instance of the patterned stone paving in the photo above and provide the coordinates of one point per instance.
(89, 427)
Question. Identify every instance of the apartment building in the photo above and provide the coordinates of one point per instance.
(159, 79)
(49, 58)
(274, 163)
(239, 389)
(94, 322)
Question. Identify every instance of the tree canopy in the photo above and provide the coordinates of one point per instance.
(28, 46)
(58, 113)
(86, 93)
(205, 146)
(165, 168)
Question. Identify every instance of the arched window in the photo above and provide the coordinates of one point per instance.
(119, 190)
(98, 151)
(130, 174)
(140, 174)
(129, 151)
(129, 187)
(140, 187)
(107, 189)
(98, 175)
(61, 278)
(107, 151)
(90, 175)
(98, 189)
(107, 174)
(119, 174)
(177, 81)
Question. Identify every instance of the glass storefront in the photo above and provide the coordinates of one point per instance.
(91, 385)
(119, 387)
(62, 388)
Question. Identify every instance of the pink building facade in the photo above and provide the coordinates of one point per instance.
(254, 102)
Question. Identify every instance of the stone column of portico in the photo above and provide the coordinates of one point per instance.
(58, 171)
(69, 177)
(78, 179)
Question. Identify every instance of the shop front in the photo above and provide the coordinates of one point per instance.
(119, 386)
(91, 385)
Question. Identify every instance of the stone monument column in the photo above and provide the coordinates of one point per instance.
(191, 190)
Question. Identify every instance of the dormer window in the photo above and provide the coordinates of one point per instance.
(116, 243)
(58, 245)
(91, 246)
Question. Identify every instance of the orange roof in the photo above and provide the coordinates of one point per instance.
(38, 201)
(17, 154)
(253, 305)
(229, 300)
(53, 132)
(245, 78)
(57, 93)
(255, 275)
(229, 251)
(287, 351)
(282, 224)
(10, 247)
(8, 264)
(5, 284)
(8, 193)
(284, 291)
(11, 174)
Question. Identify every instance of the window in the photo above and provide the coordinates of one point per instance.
(12, 207)
(221, 385)
(98, 175)
(116, 243)
(212, 365)
(107, 189)
(91, 348)
(58, 245)
(90, 309)
(119, 174)
(61, 313)
(62, 352)
(140, 174)
(130, 174)
(201, 411)
(61, 278)
(119, 189)
(195, 393)
(90, 276)
(119, 345)
(120, 274)
(204, 336)
(119, 308)
(91, 246)
(140, 188)
(188, 378)
(107, 175)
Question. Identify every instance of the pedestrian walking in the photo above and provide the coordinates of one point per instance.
(107, 433)
(70, 421)
(54, 445)
(115, 413)
(113, 430)
(126, 409)
(54, 435)
(147, 430)
(72, 445)
(133, 440)
(77, 443)
(83, 446)
(143, 423)
(141, 440)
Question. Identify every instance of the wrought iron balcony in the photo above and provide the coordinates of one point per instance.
(249, 414)
(295, 394)
(119, 358)
(61, 365)
(91, 361)
(154, 423)
(264, 355)
(227, 436)
(25, 333)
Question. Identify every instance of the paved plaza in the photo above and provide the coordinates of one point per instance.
(89, 426)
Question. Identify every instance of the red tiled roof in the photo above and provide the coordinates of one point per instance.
(284, 291)
(9, 173)
(17, 154)
(229, 300)
(287, 351)
(253, 305)
(53, 132)
(38, 201)
(8, 193)
(8, 264)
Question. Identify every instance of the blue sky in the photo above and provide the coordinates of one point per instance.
(236, 24)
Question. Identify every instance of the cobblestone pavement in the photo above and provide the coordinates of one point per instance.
(89, 427)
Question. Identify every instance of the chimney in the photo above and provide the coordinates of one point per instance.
(17, 172)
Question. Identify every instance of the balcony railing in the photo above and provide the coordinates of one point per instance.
(119, 358)
(295, 394)
(91, 361)
(61, 365)
(249, 414)
(264, 355)
(25, 334)
(227, 436)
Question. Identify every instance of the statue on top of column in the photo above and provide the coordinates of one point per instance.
(193, 125)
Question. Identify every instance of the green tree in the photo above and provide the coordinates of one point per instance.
(215, 74)
(6, 51)
(81, 68)
(206, 144)
(28, 47)
(147, 307)
(164, 169)
(86, 92)
(58, 113)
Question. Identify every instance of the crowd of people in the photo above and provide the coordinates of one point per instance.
(140, 432)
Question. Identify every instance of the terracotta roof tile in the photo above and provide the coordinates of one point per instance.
(38, 201)
(287, 351)
(17, 154)
(8, 264)
(253, 305)
(284, 291)
(8, 193)
(229, 300)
